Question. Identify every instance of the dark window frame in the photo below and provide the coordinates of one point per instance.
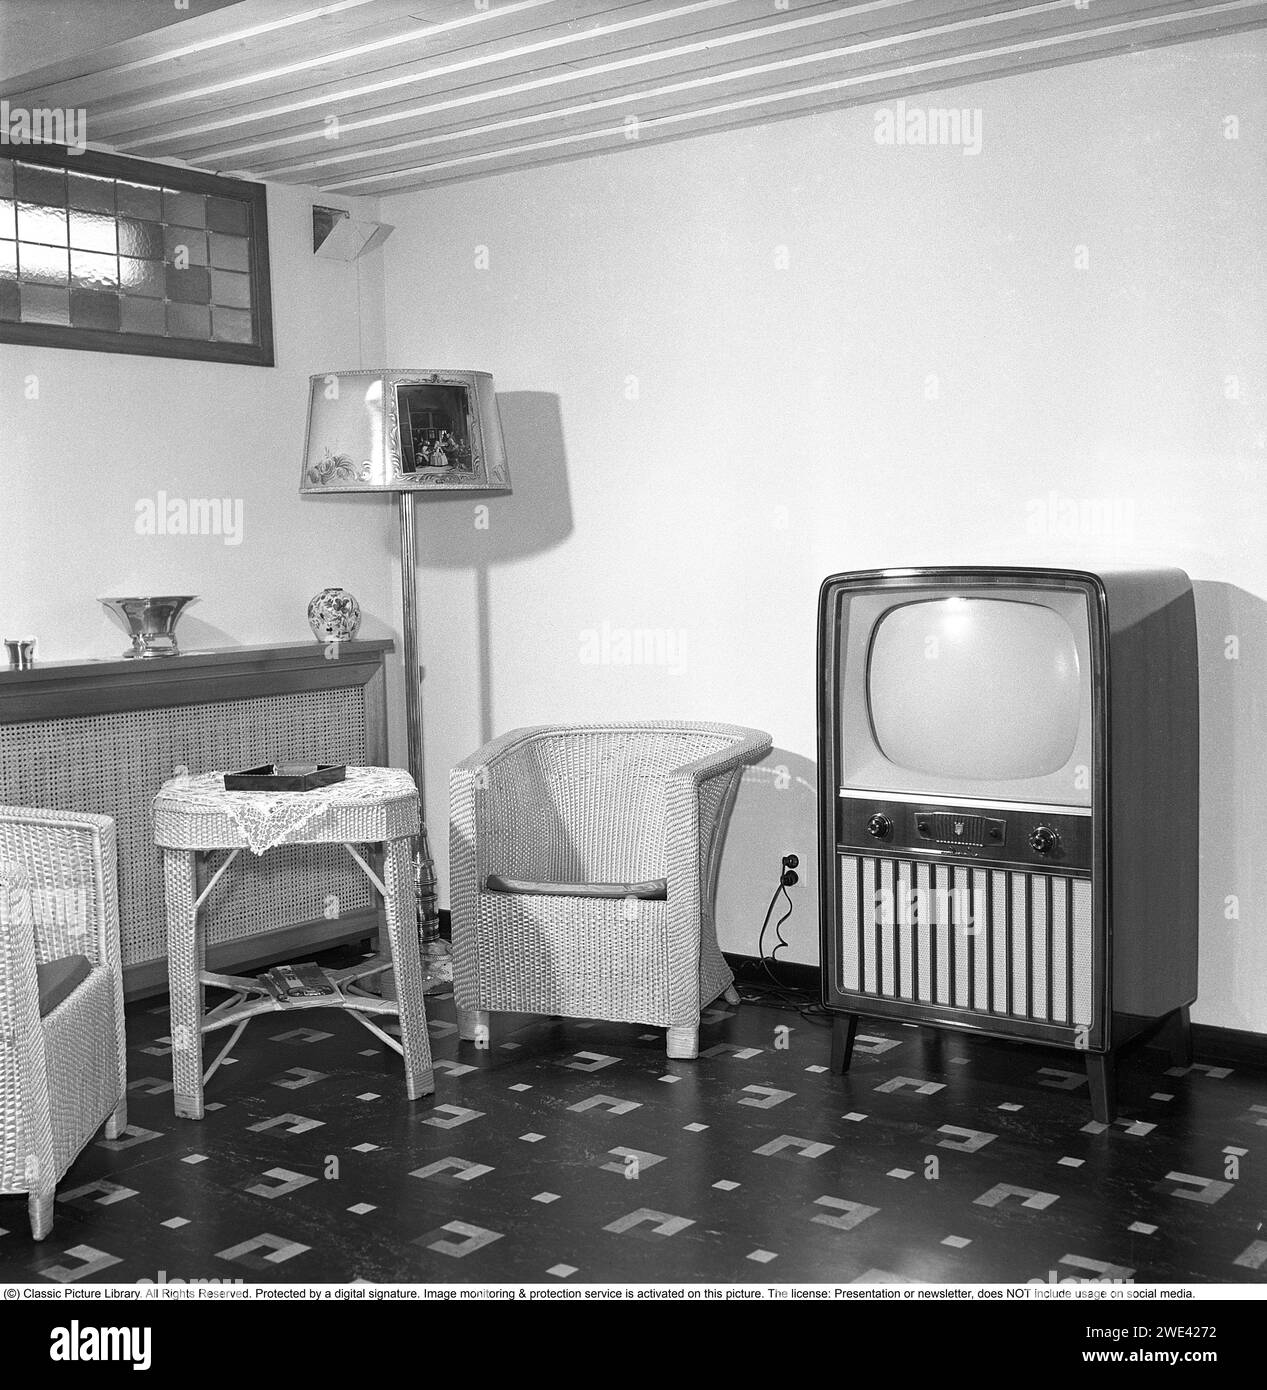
(254, 195)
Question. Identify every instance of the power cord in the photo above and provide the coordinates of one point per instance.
(788, 878)
(776, 994)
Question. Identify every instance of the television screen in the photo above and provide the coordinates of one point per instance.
(981, 688)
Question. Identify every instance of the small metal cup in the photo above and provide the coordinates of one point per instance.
(21, 652)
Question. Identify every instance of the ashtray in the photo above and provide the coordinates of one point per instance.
(284, 777)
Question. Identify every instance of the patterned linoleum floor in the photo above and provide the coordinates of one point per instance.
(575, 1151)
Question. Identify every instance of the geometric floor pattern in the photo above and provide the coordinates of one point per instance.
(576, 1151)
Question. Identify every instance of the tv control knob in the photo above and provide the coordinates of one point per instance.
(879, 827)
(1044, 840)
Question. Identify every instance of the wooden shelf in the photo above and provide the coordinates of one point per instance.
(64, 689)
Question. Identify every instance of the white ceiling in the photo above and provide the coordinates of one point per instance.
(380, 96)
(34, 33)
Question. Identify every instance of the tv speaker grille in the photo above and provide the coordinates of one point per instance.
(1004, 942)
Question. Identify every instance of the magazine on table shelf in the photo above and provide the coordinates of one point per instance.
(299, 984)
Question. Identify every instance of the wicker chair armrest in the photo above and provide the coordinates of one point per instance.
(17, 946)
(749, 745)
(685, 835)
(487, 830)
(695, 823)
(70, 860)
(26, 1138)
(496, 752)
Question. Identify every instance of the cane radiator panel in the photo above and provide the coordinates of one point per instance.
(115, 763)
(1009, 943)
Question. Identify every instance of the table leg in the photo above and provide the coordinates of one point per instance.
(402, 933)
(184, 979)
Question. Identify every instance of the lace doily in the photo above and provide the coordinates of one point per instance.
(269, 819)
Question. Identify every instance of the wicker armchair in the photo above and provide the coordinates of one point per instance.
(62, 1074)
(603, 843)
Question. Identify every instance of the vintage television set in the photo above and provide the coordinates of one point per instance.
(1008, 764)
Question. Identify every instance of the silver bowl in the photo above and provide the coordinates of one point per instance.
(151, 621)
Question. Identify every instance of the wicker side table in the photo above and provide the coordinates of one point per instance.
(375, 805)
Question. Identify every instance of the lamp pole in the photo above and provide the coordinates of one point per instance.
(437, 971)
(373, 421)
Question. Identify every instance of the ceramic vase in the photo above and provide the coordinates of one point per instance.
(334, 616)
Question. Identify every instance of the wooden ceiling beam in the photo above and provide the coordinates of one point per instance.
(429, 92)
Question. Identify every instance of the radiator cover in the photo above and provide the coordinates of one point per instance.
(113, 762)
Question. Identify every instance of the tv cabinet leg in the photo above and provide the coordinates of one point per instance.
(1102, 1076)
(844, 1028)
(1179, 1037)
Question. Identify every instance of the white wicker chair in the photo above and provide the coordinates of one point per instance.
(586, 805)
(61, 1076)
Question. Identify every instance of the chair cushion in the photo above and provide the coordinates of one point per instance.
(653, 890)
(58, 979)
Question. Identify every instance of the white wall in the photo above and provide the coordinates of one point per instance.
(86, 436)
(733, 365)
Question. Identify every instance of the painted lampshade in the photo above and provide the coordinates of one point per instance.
(402, 429)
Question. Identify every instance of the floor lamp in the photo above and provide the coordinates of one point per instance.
(407, 431)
